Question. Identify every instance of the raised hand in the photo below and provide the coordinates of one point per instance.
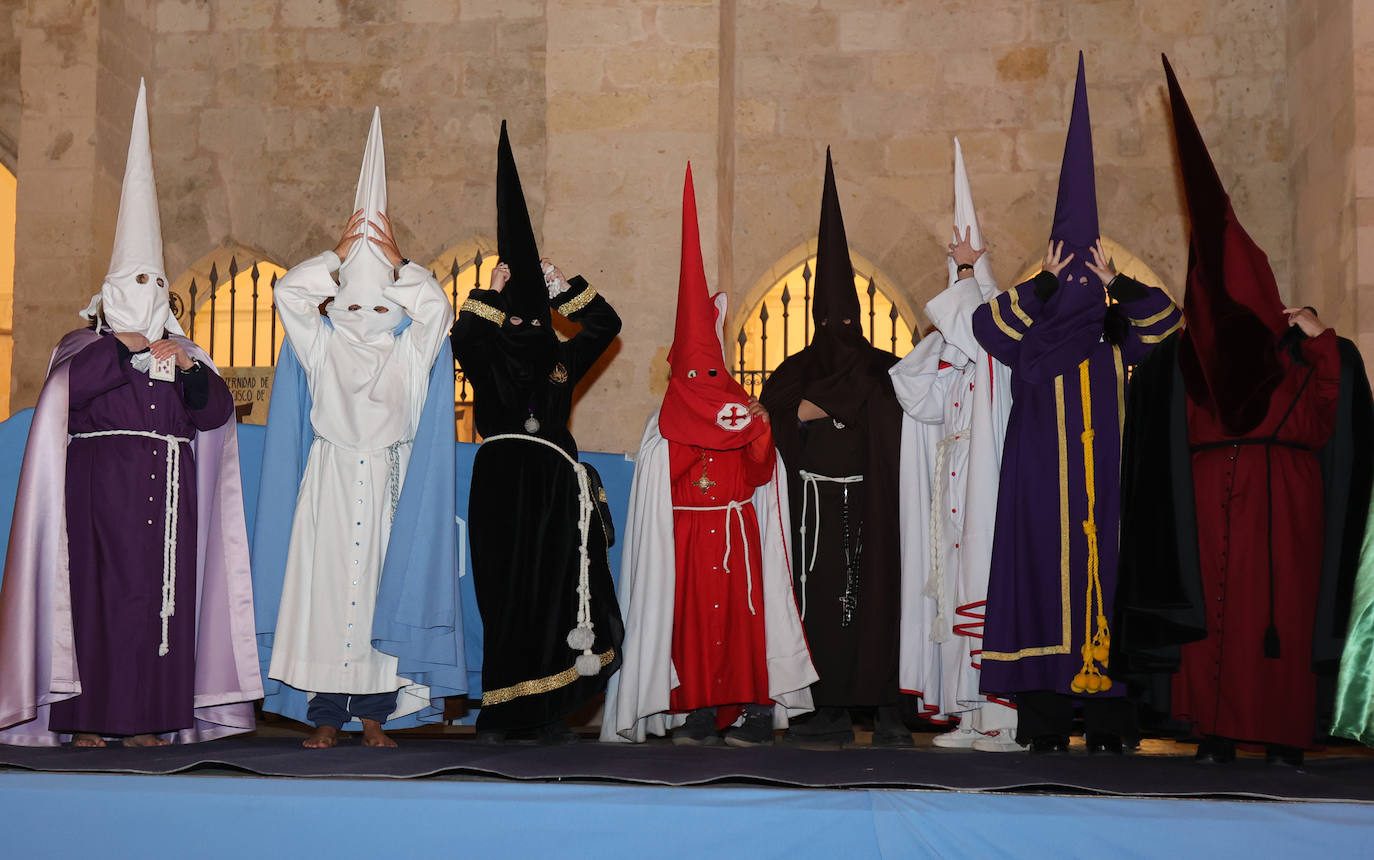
(499, 276)
(353, 231)
(1053, 264)
(962, 251)
(385, 240)
(1100, 264)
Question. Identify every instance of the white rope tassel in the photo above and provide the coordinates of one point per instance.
(935, 582)
(172, 498)
(582, 636)
(811, 482)
(738, 508)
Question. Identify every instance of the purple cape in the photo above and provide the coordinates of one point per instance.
(37, 655)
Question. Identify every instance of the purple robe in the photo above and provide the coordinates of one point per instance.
(1065, 376)
(80, 622)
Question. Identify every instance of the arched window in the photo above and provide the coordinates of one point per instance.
(777, 319)
(224, 303)
(8, 191)
(462, 267)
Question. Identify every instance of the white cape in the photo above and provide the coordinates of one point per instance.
(637, 698)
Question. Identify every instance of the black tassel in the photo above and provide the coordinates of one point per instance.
(1271, 642)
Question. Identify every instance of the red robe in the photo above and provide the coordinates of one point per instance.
(1226, 686)
(719, 650)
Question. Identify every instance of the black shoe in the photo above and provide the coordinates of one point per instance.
(1215, 750)
(889, 731)
(1284, 755)
(699, 730)
(1101, 742)
(755, 731)
(1049, 745)
(824, 727)
(556, 734)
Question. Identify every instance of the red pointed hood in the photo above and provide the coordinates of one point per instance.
(1228, 351)
(704, 405)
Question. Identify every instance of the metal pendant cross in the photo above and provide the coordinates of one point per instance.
(704, 482)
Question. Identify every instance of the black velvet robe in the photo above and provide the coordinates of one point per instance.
(1159, 604)
(523, 518)
(857, 664)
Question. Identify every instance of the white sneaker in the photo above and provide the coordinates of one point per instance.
(956, 739)
(998, 741)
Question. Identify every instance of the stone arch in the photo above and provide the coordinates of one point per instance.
(887, 315)
(224, 303)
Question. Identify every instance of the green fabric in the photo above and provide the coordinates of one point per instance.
(1354, 715)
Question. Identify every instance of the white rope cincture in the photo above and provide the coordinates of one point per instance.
(935, 582)
(811, 482)
(583, 635)
(172, 498)
(738, 508)
(393, 461)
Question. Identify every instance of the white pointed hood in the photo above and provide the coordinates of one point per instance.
(124, 302)
(366, 271)
(966, 218)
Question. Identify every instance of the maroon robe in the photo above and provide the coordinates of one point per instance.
(1226, 685)
(116, 504)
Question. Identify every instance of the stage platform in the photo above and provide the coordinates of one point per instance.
(446, 797)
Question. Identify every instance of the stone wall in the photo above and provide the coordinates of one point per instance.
(260, 107)
(1321, 108)
(11, 23)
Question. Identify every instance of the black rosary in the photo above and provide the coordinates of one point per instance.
(853, 550)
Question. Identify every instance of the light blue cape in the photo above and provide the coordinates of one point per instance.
(419, 616)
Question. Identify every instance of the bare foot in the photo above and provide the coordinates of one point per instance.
(373, 736)
(87, 739)
(146, 741)
(322, 738)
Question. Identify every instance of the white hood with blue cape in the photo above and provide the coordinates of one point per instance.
(418, 617)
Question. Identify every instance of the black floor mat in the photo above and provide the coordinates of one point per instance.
(1345, 779)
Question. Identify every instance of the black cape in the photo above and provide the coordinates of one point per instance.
(1159, 598)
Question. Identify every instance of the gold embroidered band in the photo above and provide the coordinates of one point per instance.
(540, 685)
(577, 302)
(484, 310)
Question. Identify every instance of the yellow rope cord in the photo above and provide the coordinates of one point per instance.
(1095, 644)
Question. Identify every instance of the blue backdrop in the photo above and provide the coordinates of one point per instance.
(616, 471)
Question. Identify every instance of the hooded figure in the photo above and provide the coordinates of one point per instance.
(1053, 575)
(355, 553)
(837, 425)
(711, 625)
(957, 399)
(126, 608)
(1238, 555)
(538, 522)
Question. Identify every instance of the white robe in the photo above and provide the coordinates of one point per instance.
(952, 437)
(637, 698)
(366, 402)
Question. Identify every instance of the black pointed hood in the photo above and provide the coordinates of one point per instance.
(527, 296)
(836, 298)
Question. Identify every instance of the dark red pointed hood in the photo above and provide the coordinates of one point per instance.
(1228, 351)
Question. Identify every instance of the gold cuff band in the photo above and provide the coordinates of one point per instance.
(484, 310)
(578, 302)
